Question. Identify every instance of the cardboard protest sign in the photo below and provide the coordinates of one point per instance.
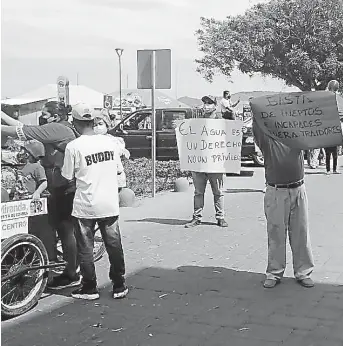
(303, 120)
(210, 145)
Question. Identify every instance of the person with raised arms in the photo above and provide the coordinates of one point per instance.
(286, 210)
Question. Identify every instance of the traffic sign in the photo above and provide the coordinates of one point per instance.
(162, 69)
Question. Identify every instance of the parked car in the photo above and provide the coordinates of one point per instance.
(248, 144)
(135, 129)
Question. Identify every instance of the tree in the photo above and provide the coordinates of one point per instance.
(298, 41)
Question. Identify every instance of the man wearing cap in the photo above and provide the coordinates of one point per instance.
(286, 210)
(93, 161)
(54, 132)
(200, 180)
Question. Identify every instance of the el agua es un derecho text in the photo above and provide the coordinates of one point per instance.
(210, 146)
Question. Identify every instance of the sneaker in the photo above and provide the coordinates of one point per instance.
(222, 223)
(64, 281)
(86, 293)
(328, 173)
(193, 223)
(307, 282)
(336, 172)
(270, 283)
(120, 292)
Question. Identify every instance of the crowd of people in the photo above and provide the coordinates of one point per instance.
(75, 156)
(69, 160)
(285, 200)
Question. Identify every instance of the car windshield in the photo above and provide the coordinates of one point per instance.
(139, 121)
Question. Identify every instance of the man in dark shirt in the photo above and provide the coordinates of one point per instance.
(286, 210)
(55, 133)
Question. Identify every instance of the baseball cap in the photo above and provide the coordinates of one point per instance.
(209, 99)
(35, 148)
(82, 111)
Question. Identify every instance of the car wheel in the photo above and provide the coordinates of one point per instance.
(258, 159)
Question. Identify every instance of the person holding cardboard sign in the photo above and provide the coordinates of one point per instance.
(200, 180)
(286, 210)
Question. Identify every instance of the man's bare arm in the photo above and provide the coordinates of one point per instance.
(9, 131)
(235, 104)
(10, 121)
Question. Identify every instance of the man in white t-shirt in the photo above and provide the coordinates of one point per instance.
(94, 163)
(227, 107)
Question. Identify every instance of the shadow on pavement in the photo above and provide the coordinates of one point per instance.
(317, 173)
(243, 190)
(192, 305)
(176, 222)
(241, 174)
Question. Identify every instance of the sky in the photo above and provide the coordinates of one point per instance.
(43, 39)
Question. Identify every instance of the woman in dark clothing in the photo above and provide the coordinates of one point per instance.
(333, 86)
(334, 152)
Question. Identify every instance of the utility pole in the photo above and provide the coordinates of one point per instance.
(119, 52)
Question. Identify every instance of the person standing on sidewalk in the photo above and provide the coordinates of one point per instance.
(102, 124)
(333, 86)
(286, 210)
(313, 158)
(200, 180)
(54, 132)
(227, 107)
(94, 162)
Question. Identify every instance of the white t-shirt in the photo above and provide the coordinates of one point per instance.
(224, 103)
(94, 162)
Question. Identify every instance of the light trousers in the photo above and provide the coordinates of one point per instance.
(286, 211)
(216, 181)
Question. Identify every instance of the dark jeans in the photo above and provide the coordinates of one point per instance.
(60, 207)
(109, 228)
(331, 151)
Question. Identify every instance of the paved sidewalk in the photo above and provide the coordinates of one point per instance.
(202, 286)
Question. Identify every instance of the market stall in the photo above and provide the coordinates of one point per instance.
(25, 237)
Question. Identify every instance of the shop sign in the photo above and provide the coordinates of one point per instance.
(23, 209)
(13, 227)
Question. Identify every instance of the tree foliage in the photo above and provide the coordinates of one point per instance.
(298, 41)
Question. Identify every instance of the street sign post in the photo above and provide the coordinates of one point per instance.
(153, 72)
